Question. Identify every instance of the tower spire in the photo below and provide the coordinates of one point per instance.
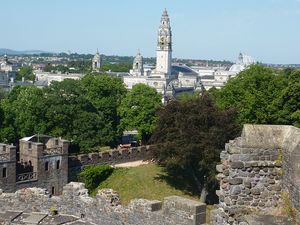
(164, 46)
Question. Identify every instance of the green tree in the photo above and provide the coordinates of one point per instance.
(289, 102)
(138, 110)
(24, 112)
(188, 140)
(92, 176)
(71, 114)
(26, 73)
(118, 67)
(105, 93)
(253, 93)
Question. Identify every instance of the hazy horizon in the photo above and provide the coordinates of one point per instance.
(216, 29)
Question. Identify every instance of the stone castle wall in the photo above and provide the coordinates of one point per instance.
(256, 169)
(111, 157)
(104, 209)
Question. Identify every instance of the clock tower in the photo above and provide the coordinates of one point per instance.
(164, 47)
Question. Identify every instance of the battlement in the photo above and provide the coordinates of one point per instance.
(42, 145)
(256, 169)
(109, 157)
(104, 208)
(7, 153)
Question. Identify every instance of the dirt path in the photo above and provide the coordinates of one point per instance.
(132, 164)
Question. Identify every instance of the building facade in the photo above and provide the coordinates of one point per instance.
(42, 161)
(164, 47)
(7, 73)
(96, 62)
(159, 77)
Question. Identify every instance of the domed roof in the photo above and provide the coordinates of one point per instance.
(237, 68)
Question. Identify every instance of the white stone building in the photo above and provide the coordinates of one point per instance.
(168, 78)
(162, 74)
(218, 76)
(46, 78)
(7, 73)
(96, 62)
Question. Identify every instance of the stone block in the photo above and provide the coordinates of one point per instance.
(234, 149)
(235, 181)
(255, 191)
(33, 218)
(185, 204)
(144, 205)
(219, 168)
(235, 190)
(94, 157)
(84, 159)
(105, 156)
(237, 165)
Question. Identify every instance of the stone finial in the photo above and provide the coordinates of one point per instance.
(75, 188)
(175, 207)
(145, 205)
(110, 196)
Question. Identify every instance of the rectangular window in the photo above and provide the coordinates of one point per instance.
(56, 142)
(29, 145)
(46, 166)
(4, 172)
(52, 190)
(3, 148)
(57, 164)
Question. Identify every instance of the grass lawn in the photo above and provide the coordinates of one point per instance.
(141, 182)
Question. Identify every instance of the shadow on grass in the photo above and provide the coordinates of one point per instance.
(188, 186)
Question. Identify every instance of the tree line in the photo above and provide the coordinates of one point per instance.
(88, 112)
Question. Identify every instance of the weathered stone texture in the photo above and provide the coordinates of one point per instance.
(256, 169)
(75, 202)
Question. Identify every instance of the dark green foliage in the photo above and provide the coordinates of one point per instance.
(118, 67)
(82, 111)
(26, 73)
(138, 110)
(24, 114)
(189, 138)
(263, 96)
(288, 103)
(254, 93)
(92, 176)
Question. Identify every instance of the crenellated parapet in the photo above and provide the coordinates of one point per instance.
(110, 157)
(75, 202)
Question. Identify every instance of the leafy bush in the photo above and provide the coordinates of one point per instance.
(92, 176)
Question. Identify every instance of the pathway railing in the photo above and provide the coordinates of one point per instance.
(26, 176)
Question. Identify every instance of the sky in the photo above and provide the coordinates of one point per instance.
(267, 30)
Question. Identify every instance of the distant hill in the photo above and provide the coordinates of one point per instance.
(15, 52)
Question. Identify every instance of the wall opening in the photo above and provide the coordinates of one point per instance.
(4, 172)
(57, 164)
(46, 166)
(53, 191)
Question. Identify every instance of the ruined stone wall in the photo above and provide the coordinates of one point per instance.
(111, 157)
(104, 209)
(7, 167)
(256, 169)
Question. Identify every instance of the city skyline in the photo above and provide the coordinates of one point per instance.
(201, 29)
